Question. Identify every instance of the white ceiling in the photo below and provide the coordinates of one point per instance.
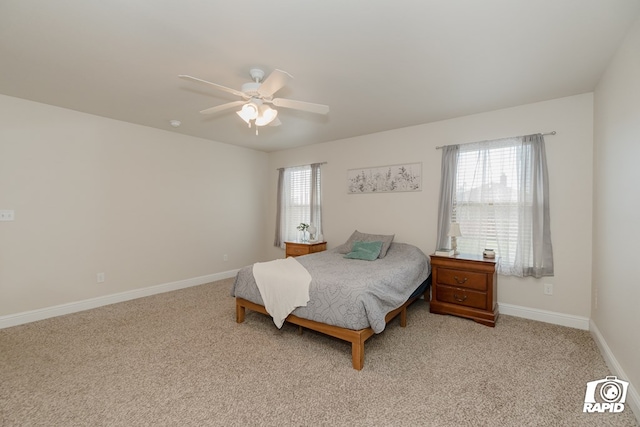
(378, 64)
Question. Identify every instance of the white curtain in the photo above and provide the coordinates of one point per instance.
(278, 241)
(299, 201)
(501, 202)
(448, 173)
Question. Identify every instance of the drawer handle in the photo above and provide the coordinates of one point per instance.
(460, 282)
(457, 298)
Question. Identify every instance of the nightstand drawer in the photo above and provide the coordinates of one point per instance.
(464, 279)
(318, 248)
(460, 296)
(297, 250)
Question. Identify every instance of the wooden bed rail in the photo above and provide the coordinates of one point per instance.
(357, 338)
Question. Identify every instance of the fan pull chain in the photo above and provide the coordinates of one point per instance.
(250, 127)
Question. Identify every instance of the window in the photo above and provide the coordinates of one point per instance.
(299, 200)
(499, 196)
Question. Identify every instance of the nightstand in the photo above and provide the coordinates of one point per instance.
(465, 286)
(299, 248)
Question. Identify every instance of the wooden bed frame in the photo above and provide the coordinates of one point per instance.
(357, 338)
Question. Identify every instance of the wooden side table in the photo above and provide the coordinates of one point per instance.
(299, 248)
(466, 286)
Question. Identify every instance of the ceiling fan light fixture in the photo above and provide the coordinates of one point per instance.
(267, 115)
(248, 121)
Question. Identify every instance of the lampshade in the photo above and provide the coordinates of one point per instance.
(248, 112)
(267, 115)
(454, 230)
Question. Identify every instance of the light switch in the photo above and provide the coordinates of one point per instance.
(7, 215)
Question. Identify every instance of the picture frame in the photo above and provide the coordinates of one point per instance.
(385, 179)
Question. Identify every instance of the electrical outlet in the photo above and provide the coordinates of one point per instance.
(548, 288)
(100, 277)
(225, 257)
(7, 215)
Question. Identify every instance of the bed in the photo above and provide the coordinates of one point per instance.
(349, 299)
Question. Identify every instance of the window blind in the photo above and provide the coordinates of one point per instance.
(300, 202)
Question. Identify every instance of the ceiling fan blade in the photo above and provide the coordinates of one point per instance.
(217, 86)
(301, 105)
(274, 83)
(222, 107)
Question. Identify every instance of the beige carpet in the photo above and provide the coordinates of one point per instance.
(179, 359)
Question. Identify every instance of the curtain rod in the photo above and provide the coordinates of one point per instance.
(442, 146)
(309, 164)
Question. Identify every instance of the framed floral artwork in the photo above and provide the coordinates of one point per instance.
(385, 179)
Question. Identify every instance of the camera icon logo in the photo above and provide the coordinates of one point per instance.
(605, 395)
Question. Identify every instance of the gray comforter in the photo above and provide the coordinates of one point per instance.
(352, 294)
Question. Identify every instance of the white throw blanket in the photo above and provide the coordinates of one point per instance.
(283, 285)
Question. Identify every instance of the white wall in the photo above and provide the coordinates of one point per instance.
(145, 206)
(616, 271)
(412, 217)
(149, 207)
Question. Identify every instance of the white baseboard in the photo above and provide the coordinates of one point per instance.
(633, 398)
(74, 307)
(561, 319)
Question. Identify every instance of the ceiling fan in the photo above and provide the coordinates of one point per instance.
(256, 97)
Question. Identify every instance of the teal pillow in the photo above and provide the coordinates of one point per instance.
(365, 237)
(365, 250)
